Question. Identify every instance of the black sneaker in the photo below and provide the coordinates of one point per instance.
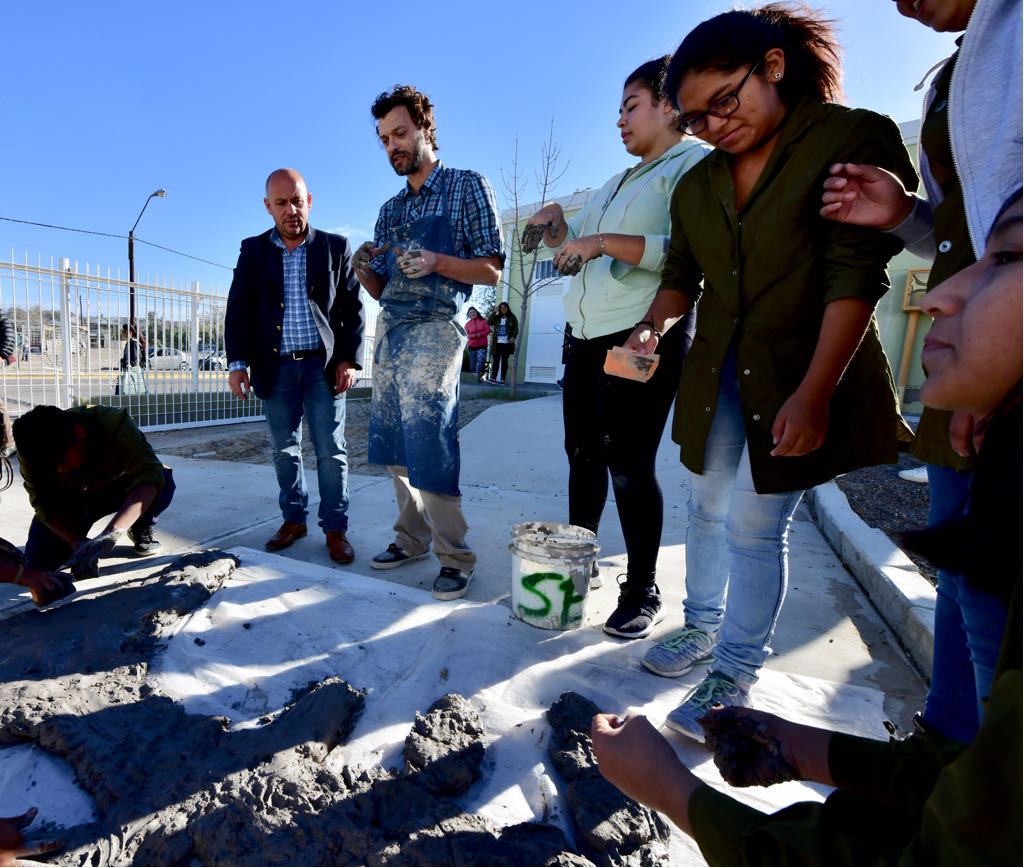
(638, 611)
(452, 583)
(145, 542)
(395, 556)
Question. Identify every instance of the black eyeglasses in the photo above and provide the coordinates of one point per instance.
(694, 125)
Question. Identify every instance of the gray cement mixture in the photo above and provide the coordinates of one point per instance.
(173, 788)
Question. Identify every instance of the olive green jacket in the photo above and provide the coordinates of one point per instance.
(768, 274)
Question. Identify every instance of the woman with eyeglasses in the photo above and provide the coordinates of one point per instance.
(615, 248)
(786, 384)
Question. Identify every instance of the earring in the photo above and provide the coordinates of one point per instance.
(778, 75)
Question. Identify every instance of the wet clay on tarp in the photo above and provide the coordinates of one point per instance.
(746, 753)
(610, 827)
(173, 788)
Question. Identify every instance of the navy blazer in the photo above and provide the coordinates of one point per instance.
(255, 310)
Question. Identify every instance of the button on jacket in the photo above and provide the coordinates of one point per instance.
(767, 275)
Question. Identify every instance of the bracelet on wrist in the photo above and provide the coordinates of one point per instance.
(650, 325)
(600, 240)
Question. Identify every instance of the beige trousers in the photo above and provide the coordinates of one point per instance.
(425, 517)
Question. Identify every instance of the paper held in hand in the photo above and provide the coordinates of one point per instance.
(621, 362)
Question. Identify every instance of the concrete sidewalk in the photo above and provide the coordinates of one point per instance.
(513, 469)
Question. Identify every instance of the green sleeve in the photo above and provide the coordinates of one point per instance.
(855, 257)
(135, 455)
(681, 272)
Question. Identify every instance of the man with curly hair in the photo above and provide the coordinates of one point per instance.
(433, 241)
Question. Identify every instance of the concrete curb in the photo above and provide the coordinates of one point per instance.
(902, 596)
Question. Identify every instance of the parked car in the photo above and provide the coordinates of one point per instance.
(214, 362)
(168, 359)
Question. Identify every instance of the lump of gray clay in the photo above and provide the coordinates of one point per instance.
(445, 748)
(610, 827)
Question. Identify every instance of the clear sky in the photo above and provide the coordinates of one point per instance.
(106, 102)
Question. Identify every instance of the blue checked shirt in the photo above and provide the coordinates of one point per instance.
(298, 330)
(472, 209)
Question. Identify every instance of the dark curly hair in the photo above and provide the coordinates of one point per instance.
(741, 38)
(418, 104)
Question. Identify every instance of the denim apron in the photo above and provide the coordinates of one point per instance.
(414, 413)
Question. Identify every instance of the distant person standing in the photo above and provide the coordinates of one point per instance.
(477, 331)
(132, 380)
(505, 327)
(295, 321)
(433, 240)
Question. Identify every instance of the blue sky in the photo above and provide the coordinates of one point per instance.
(106, 102)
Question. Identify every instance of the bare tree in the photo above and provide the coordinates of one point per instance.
(524, 265)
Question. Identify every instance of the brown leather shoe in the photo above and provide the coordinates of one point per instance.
(339, 548)
(286, 534)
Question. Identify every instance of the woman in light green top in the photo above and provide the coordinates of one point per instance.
(615, 248)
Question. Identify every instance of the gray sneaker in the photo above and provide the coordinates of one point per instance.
(451, 584)
(395, 556)
(145, 542)
(715, 689)
(679, 652)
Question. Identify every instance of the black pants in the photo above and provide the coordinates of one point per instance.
(501, 356)
(614, 425)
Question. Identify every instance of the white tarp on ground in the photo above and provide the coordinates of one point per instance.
(278, 624)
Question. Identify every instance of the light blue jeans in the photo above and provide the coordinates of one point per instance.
(968, 626)
(736, 545)
(301, 391)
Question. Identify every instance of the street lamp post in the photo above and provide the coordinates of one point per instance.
(131, 255)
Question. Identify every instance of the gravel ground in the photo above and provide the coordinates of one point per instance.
(891, 504)
(249, 444)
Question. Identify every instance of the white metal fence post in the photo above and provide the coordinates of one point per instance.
(66, 393)
(194, 302)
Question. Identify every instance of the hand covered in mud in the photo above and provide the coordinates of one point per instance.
(13, 845)
(636, 758)
(569, 260)
(532, 235)
(84, 561)
(46, 587)
(416, 262)
(365, 254)
(748, 747)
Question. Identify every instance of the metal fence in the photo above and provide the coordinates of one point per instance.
(69, 350)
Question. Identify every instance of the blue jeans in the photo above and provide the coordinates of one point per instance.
(477, 357)
(968, 626)
(736, 542)
(301, 390)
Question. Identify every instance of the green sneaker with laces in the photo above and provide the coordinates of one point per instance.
(679, 652)
(715, 689)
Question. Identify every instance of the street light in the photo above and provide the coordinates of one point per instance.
(159, 194)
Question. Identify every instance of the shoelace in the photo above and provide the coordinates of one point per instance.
(680, 639)
(707, 690)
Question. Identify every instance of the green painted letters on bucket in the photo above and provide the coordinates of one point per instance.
(565, 585)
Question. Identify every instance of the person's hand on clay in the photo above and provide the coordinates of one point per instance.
(84, 560)
(755, 748)
(636, 758)
(865, 196)
(570, 259)
(416, 263)
(13, 845)
(365, 254)
(45, 587)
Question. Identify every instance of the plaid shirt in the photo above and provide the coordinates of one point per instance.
(472, 209)
(298, 329)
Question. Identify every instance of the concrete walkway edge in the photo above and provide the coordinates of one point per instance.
(903, 597)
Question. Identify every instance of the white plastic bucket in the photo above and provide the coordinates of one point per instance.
(551, 566)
